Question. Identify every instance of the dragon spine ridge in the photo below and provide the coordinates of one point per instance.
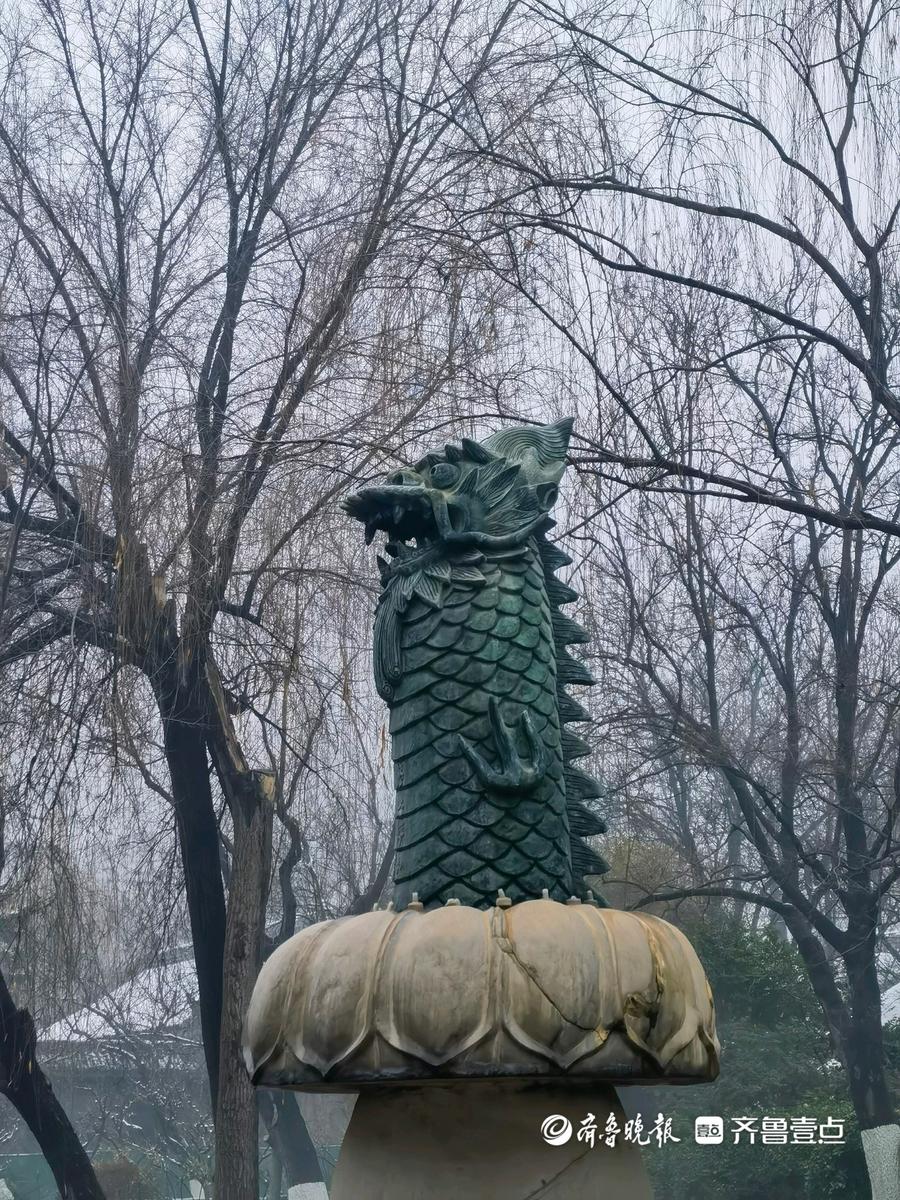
(578, 784)
(471, 656)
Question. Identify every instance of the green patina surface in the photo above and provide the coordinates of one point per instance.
(471, 656)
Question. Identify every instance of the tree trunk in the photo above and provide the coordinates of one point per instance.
(237, 1114)
(27, 1088)
(869, 1089)
(227, 948)
(857, 1038)
(289, 1137)
(184, 728)
(275, 1177)
(865, 1044)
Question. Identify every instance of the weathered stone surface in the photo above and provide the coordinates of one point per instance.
(538, 989)
(483, 1142)
(882, 1150)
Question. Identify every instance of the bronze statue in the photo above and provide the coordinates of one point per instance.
(470, 655)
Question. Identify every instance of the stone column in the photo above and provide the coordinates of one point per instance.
(484, 1141)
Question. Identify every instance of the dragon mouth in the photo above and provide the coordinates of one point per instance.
(405, 513)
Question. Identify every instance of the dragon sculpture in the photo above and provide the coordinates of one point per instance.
(470, 656)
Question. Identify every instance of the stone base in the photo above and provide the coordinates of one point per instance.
(482, 1140)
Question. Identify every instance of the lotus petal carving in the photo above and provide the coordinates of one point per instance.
(537, 988)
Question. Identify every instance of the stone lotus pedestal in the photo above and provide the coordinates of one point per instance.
(464, 1028)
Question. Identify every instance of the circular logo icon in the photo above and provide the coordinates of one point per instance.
(556, 1129)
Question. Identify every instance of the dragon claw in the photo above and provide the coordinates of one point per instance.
(515, 774)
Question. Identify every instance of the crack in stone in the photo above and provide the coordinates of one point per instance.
(508, 948)
(548, 1183)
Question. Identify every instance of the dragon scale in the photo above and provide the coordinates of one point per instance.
(471, 656)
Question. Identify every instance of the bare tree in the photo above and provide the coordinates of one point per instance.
(191, 379)
(740, 176)
(706, 218)
(24, 1083)
(759, 650)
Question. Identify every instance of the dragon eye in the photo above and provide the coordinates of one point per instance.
(444, 474)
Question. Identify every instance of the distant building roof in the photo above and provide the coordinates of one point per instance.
(890, 1005)
(158, 1000)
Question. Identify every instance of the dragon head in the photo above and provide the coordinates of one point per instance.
(477, 495)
